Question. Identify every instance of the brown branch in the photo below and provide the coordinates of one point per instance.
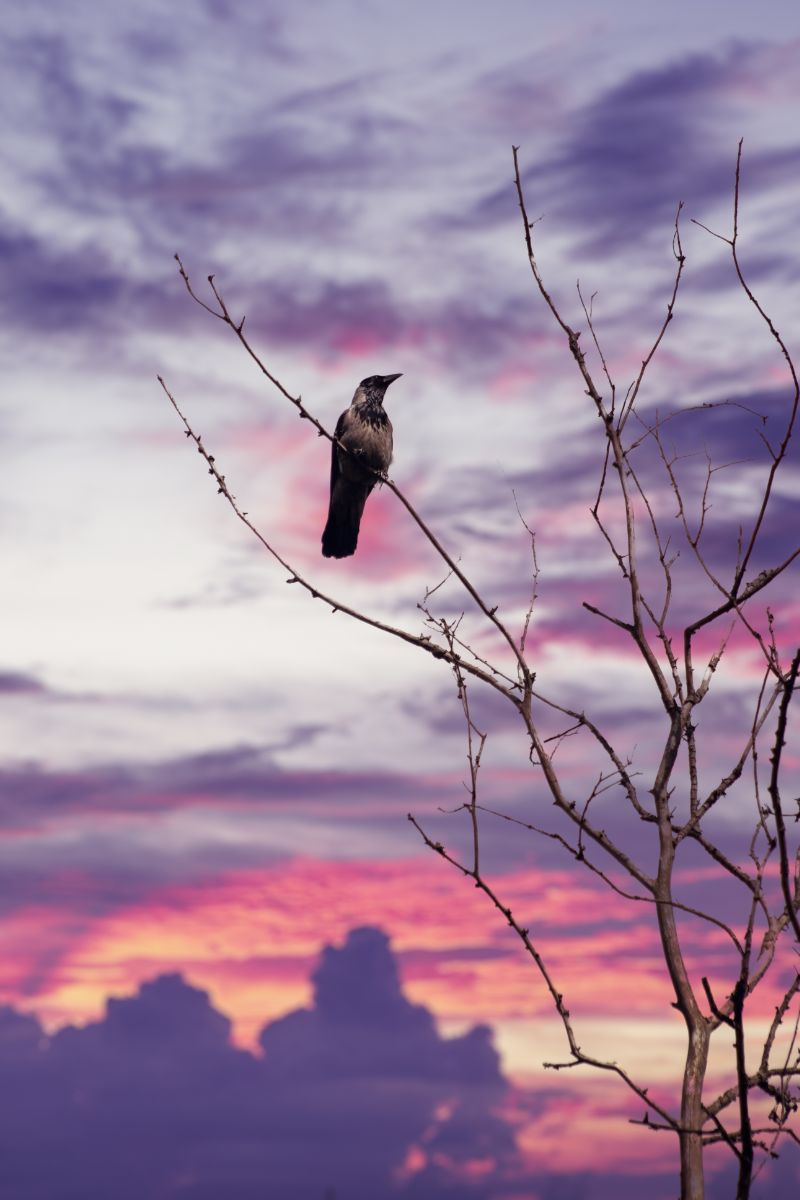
(763, 1077)
(421, 641)
(238, 328)
(595, 339)
(680, 258)
(716, 793)
(687, 410)
(736, 1023)
(612, 434)
(790, 894)
(579, 854)
(578, 1056)
(473, 755)
(780, 1012)
(780, 454)
(534, 577)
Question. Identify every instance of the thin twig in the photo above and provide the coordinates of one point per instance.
(223, 314)
(790, 894)
(421, 641)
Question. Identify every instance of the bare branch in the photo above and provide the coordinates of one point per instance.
(295, 576)
(633, 392)
(779, 455)
(238, 328)
(579, 1058)
(791, 894)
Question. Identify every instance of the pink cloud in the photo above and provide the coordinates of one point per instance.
(512, 383)
(251, 936)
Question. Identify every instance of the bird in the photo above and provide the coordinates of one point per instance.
(361, 452)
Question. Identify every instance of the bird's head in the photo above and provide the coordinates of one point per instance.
(374, 386)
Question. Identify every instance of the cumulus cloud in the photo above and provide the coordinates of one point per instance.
(359, 1092)
(356, 1095)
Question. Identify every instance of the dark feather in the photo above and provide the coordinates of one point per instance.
(361, 452)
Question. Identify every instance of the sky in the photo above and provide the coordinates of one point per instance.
(222, 938)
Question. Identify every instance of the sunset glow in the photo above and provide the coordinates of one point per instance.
(230, 961)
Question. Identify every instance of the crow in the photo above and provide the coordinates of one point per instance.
(364, 432)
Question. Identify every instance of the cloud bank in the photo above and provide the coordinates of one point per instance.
(357, 1095)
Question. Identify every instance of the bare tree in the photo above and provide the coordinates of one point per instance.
(681, 625)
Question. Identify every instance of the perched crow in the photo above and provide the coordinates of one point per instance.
(365, 432)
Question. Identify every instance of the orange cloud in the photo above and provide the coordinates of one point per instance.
(252, 939)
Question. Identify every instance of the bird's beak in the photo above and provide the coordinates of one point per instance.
(387, 379)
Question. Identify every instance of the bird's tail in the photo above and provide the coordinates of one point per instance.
(340, 536)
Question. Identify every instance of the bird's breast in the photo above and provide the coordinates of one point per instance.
(368, 438)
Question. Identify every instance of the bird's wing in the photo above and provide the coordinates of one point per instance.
(338, 432)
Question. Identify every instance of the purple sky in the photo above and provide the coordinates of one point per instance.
(202, 771)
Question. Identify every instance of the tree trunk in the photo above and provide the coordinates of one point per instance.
(691, 1143)
(699, 1034)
